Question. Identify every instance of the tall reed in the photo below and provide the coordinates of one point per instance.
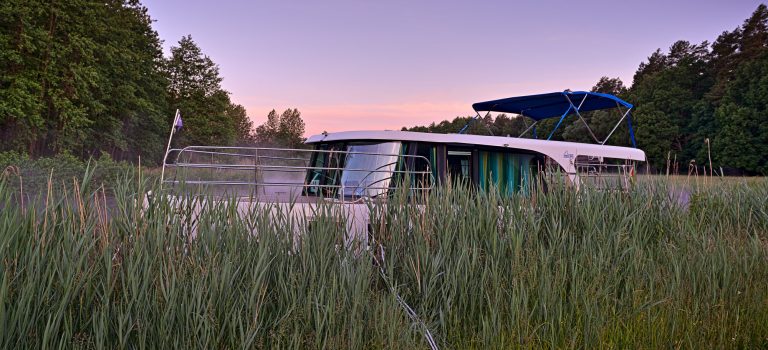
(89, 267)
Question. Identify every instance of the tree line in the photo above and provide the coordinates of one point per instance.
(87, 77)
(691, 101)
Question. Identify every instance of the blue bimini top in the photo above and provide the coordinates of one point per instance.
(550, 105)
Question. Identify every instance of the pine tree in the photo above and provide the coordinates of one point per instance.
(195, 89)
(190, 72)
(667, 90)
(754, 34)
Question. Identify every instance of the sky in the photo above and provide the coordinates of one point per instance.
(375, 65)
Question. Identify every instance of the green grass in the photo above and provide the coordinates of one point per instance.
(556, 270)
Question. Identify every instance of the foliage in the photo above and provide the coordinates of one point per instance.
(668, 98)
(573, 129)
(285, 129)
(190, 72)
(245, 134)
(88, 77)
(742, 141)
(685, 98)
(561, 270)
(499, 125)
(694, 95)
(80, 77)
(195, 90)
(33, 176)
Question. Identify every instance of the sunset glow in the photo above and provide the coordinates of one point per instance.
(384, 65)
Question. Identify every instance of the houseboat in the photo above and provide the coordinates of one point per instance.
(351, 167)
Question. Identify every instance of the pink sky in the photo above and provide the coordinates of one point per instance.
(350, 65)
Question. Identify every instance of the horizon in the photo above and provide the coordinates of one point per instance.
(374, 66)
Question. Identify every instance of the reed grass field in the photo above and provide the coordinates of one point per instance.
(561, 269)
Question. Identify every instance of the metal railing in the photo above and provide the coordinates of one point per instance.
(259, 169)
(605, 176)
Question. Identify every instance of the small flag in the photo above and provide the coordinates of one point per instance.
(179, 123)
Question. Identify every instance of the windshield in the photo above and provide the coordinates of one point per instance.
(368, 169)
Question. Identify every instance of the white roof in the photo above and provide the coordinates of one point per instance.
(562, 152)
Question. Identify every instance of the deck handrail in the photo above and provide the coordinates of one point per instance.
(259, 163)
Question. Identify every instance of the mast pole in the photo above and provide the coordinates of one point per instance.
(168, 148)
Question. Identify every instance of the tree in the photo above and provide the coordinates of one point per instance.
(727, 107)
(286, 129)
(86, 77)
(267, 133)
(291, 130)
(683, 97)
(655, 133)
(245, 135)
(131, 86)
(79, 76)
(50, 75)
(668, 91)
(613, 86)
(194, 88)
(190, 72)
(754, 34)
(723, 61)
(742, 141)
(503, 125)
(656, 62)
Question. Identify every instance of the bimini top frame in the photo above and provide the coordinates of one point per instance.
(559, 104)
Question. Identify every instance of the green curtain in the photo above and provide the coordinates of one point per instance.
(437, 160)
(509, 173)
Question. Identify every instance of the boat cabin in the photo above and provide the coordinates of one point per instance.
(370, 162)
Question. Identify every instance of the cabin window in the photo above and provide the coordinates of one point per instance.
(324, 170)
(507, 172)
(368, 168)
(352, 169)
(417, 166)
(459, 165)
